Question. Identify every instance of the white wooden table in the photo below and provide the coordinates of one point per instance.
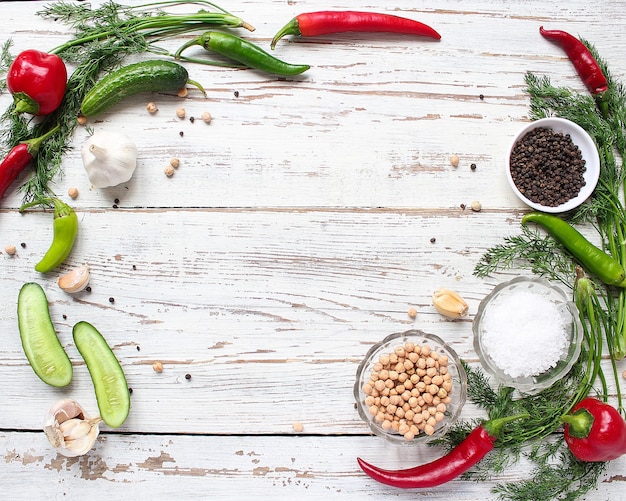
(301, 226)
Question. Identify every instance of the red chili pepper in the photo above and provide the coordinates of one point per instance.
(468, 453)
(595, 431)
(586, 66)
(313, 24)
(37, 81)
(18, 158)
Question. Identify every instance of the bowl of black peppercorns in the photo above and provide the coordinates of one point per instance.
(553, 165)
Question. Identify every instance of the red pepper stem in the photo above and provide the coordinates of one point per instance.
(494, 426)
(580, 423)
(291, 28)
(35, 143)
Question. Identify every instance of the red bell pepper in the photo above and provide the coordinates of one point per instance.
(595, 431)
(37, 81)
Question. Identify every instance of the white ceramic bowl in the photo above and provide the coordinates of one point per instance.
(589, 153)
(387, 346)
(537, 382)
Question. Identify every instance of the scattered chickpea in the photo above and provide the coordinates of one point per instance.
(157, 367)
(206, 117)
(476, 206)
(81, 119)
(298, 427)
(175, 162)
(169, 171)
(72, 192)
(10, 249)
(183, 92)
(624, 374)
(454, 160)
(180, 112)
(152, 107)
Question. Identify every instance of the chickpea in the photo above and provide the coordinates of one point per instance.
(429, 429)
(152, 108)
(393, 358)
(180, 112)
(206, 117)
(379, 385)
(157, 367)
(11, 250)
(72, 192)
(426, 350)
(169, 171)
(438, 380)
(439, 417)
(409, 435)
(389, 383)
(386, 425)
(373, 410)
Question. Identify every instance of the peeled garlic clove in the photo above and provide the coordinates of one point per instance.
(449, 304)
(69, 429)
(75, 280)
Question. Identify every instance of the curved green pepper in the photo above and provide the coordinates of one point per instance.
(65, 231)
(593, 259)
(244, 52)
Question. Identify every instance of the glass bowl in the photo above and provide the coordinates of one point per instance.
(453, 400)
(589, 153)
(553, 357)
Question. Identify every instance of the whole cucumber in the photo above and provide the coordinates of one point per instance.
(145, 76)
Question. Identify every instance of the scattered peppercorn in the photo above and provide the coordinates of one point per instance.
(23, 245)
(481, 96)
(138, 348)
(134, 267)
(547, 167)
(187, 377)
(473, 166)
(130, 390)
(433, 240)
(116, 201)
(462, 206)
(192, 119)
(236, 93)
(115, 206)
(181, 133)
(88, 288)
(64, 316)
(111, 300)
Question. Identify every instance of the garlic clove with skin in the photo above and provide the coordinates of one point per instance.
(450, 304)
(69, 429)
(75, 280)
(109, 157)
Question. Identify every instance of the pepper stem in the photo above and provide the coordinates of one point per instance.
(194, 41)
(580, 423)
(291, 28)
(494, 426)
(35, 143)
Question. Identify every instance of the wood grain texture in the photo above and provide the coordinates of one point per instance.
(300, 227)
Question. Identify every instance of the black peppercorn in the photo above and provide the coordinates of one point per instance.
(111, 300)
(187, 377)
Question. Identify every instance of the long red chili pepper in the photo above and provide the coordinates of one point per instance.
(18, 158)
(586, 66)
(313, 24)
(468, 453)
(595, 431)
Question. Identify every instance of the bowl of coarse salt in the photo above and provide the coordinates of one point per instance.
(553, 165)
(527, 334)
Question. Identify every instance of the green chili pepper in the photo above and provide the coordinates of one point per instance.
(243, 52)
(593, 259)
(65, 231)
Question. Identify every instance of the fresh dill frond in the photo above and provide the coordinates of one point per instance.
(558, 475)
(529, 250)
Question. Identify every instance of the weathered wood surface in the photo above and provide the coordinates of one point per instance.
(295, 234)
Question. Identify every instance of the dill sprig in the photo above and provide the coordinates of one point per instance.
(102, 39)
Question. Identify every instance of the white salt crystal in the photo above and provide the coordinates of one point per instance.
(524, 333)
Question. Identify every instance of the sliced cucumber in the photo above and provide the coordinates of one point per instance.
(39, 339)
(106, 374)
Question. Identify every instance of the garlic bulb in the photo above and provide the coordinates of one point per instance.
(109, 158)
(69, 429)
(449, 304)
(75, 280)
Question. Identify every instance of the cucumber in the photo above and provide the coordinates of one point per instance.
(39, 339)
(145, 76)
(107, 376)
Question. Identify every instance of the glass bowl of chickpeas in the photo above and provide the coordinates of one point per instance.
(410, 387)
